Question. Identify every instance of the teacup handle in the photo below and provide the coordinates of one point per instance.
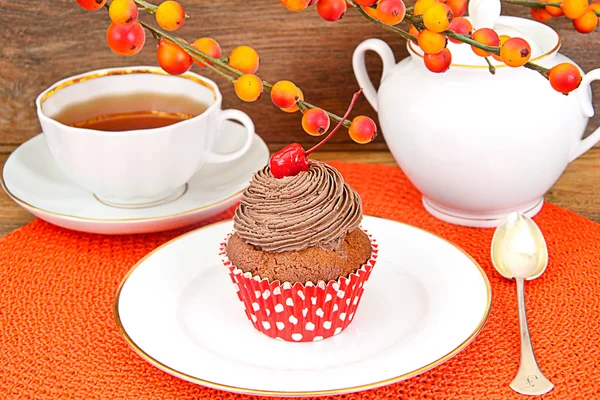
(360, 68)
(244, 119)
(584, 94)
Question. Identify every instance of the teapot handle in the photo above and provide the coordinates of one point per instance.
(584, 94)
(360, 68)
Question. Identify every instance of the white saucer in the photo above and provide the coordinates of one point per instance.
(33, 180)
(426, 300)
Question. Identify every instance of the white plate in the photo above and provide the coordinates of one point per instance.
(426, 300)
(34, 181)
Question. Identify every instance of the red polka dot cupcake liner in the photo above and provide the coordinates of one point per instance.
(297, 312)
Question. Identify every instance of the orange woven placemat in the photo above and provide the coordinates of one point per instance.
(58, 338)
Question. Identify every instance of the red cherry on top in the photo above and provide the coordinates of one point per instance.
(289, 161)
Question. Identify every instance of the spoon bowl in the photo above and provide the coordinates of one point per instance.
(519, 249)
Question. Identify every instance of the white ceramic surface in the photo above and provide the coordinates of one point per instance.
(479, 146)
(34, 181)
(142, 166)
(426, 300)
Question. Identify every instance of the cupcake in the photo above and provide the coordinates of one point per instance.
(297, 255)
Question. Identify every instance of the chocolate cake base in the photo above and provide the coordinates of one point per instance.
(311, 264)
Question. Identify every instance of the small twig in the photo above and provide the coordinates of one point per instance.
(150, 8)
(543, 71)
(302, 107)
(490, 66)
(331, 115)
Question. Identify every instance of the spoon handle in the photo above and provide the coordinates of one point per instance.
(529, 380)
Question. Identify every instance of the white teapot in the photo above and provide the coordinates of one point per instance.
(480, 146)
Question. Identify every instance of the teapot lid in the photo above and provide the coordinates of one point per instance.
(486, 14)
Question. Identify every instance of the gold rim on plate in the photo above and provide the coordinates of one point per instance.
(351, 389)
(30, 207)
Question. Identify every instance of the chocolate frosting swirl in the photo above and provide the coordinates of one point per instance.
(313, 208)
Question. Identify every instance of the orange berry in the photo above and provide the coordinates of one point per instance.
(172, 58)
(91, 5)
(126, 40)
(439, 62)
(587, 23)
(123, 12)
(574, 9)
(515, 52)
(540, 14)
(295, 5)
(596, 8)
(245, 59)
(554, 11)
(413, 31)
(331, 10)
(391, 12)
(564, 77)
(362, 130)
(170, 15)
(423, 5)
(461, 26)
(371, 11)
(248, 87)
(485, 36)
(209, 47)
(431, 42)
(284, 94)
(365, 3)
(295, 107)
(458, 7)
(438, 18)
(315, 122)
(503, 39)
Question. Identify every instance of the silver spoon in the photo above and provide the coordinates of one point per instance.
(519, 251)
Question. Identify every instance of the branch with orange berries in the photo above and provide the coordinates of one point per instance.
(434, 22)
(126, 37)
(585, 15)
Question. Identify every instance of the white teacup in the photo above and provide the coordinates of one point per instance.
(142, 167)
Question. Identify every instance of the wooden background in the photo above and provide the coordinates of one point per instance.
(44, 41)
